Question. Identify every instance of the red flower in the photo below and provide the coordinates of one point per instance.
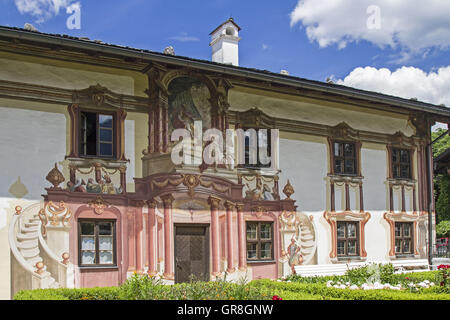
(276, 298)
(443, 266)
(442, 283)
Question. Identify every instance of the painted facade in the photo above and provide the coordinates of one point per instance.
(73, 219)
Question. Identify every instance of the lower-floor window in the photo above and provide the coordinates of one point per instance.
(347, 238)
(97, 243)
(403, 238)
(259, 241)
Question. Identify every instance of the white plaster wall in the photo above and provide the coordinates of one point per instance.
(374, 170)
(326, 113)
(30, 145)
(305, 164)
(62, 77)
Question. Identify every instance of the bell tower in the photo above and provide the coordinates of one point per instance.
(225, 43)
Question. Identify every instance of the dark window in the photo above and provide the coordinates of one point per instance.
(403, 238)
(259, 241)
(97, 245)
(401, 164)
(97, 135)
(347, 238)
(344, 158)
(263, 142)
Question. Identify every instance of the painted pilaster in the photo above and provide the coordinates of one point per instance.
(241, 237)
(168, 236)
(215, 234)
(151, 238)
(230, 206)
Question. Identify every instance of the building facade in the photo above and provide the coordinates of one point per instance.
(90, 192)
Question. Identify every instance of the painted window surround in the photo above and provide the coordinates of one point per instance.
(402, 142)
(344, 133)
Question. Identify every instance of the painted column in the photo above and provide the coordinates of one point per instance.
(151, 131)
(151, 237)
(131, 240)
(241, 237)
(123, 178)
(168, 263)
(230, 206)
(139, 227)
(215, 233)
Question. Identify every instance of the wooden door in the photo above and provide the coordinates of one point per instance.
(191, 253)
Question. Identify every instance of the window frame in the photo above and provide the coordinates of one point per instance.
(355, 157)
(400, 163)
(402, 238)
(259, 241)
(97, 130)
(97, 250)
(346, 240)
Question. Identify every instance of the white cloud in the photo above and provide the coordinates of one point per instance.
(412, 25)
(405, 82)
(41, 10)
(184, 37)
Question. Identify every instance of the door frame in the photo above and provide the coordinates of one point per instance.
(207, 249)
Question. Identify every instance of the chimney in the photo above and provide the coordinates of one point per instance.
(225, 43)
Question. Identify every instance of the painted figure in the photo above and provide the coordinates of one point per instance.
(295, 258)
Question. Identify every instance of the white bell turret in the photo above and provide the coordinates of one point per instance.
(225, 43)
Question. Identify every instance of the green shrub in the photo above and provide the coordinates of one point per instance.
(347, 294)
(107, 293)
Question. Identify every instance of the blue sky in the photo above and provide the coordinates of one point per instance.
(313, 39)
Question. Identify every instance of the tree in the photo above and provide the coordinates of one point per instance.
(441, 145)
(443, 229)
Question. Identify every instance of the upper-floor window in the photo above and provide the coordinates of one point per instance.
(97, 134)
(344, 158)
(264, 143)
(401, 164)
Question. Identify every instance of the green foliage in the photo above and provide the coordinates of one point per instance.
(107, 293)
(443, 229)
(382, 273)
(441, 145)
(443, 201)
(320, 289)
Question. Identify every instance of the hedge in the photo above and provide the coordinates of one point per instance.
(106, 293)
(347, 294)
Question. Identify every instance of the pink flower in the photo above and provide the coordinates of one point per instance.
(276, 298)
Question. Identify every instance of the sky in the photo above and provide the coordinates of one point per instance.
(399, 47)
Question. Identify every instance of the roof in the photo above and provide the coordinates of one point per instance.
(226, 69)
(229, 20)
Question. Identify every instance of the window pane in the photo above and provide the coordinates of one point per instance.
(339, 166)
(350, 166)
(105, 243)
(398, 230)
(395, 157)
(87, 243)
(87, 228)
(404, 156)
(398, 246)
(349, 150)
(406, 246)
(106, 149)
(351, 230)
(87, 257)
(105, 121)
(341, 247)
(106, 257)
(407, 230)
(88, 133)
(338, 149)
(251, 251)
(341, 230)
(251, 231)
(106, 135)
(266, 231)
(266, 250)
(351, 247)
(105, 228)
(404, 171)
